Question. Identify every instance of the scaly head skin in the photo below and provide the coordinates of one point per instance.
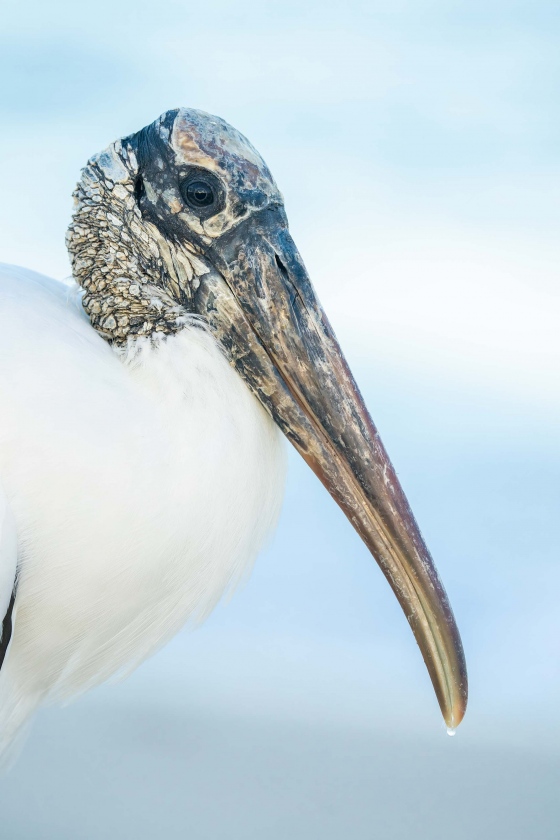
(137, 280)
(182, 223)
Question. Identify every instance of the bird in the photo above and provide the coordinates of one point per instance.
(143, 412)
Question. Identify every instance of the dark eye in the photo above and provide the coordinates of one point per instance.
(199, 194)
(203, 192)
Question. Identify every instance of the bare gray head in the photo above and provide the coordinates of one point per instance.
(146, 210)
(182, 223)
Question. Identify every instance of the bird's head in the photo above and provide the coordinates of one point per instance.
(183, 222)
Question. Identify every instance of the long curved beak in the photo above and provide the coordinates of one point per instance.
(260, 304)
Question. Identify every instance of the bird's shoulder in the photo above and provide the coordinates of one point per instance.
(23, 285)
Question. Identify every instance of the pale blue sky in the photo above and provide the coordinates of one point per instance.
(417, 149)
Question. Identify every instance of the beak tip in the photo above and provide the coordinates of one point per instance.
(454, 718)
(455, 709)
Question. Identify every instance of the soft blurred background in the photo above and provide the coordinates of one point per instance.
(417, 146)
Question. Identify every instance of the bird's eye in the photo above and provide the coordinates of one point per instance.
(199, 194)
(202, 192)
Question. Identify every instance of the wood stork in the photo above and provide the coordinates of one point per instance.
(141, 460)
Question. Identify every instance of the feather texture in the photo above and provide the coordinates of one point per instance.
(143, 482)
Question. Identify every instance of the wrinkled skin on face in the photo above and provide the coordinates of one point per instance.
(132, 228)
(182, 223)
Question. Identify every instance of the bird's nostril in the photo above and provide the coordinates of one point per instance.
(289, 283)
(281, 267)
(139, 188)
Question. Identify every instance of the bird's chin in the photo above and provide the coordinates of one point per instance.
(260, 304)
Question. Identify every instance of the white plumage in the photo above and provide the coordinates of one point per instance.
(142, 488)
